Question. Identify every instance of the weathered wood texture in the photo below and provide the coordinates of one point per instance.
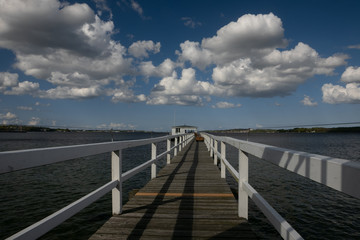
(187, 200)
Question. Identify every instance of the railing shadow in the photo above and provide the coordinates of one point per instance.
(187, 203)
(140, 227)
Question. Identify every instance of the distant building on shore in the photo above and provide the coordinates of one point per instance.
(183, 129)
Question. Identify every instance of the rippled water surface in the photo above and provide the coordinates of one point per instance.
(315, 211)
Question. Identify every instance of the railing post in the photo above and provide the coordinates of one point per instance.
(116, 171)
(168, 147)
(215, 152)
(243, 176)
(180, 144)
(211, 145)
(153, 156)
(175, 149)
(223, 156)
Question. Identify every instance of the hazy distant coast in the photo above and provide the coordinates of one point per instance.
(293, 130)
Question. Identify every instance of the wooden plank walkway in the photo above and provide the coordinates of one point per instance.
(188, 200)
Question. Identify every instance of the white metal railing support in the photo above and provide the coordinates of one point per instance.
(243, 177)
(116, 172)
(223, 157)
(211, 145)
(176, 147)
(168, 147)
(215, 152)
(153, 156)
(180, 144)
(24, 159)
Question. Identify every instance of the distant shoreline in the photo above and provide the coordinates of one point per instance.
(293, 130)
(24, 128)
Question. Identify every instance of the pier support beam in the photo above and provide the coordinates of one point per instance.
(243, 176)
(116, 171)
(153, 156)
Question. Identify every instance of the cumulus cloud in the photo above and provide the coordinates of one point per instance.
(351, 74)
(8, 118)
(250, 35)
(128, 96)
(140, 49)
(185, 90)
(335, 94)
(8, 80)
(165, 69)
(22, 88)
(307, 101)
(225, 105)
(249, 63)
(70, 93)
(66, 44)
(279, 75)
(34, 121)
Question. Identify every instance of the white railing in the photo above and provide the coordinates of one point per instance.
(23, 159)
(342, 175)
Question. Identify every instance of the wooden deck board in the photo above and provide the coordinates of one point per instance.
(187, 200)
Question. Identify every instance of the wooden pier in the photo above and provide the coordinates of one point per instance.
(187, 199)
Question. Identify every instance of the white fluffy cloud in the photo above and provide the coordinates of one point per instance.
(65, 44)
(251, 35)
(307, 101)
(165, 69)
(185, 90)
(70, 93)
(334, 94)
(248, 62)
(121, 95)
(225, 105)
(140, 49)
(278, 73)
(34, 121)
(8, 80)
(8, 118)
(351, 74)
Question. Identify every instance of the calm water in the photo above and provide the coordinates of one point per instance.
(315, 211)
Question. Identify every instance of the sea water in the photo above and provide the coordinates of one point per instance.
(314, 210)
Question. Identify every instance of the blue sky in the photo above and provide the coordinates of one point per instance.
(147, 65)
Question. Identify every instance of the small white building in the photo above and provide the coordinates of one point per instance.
(183, 129)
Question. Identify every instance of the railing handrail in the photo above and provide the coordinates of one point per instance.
(341, 174)
(11, 161)
(28, 158)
